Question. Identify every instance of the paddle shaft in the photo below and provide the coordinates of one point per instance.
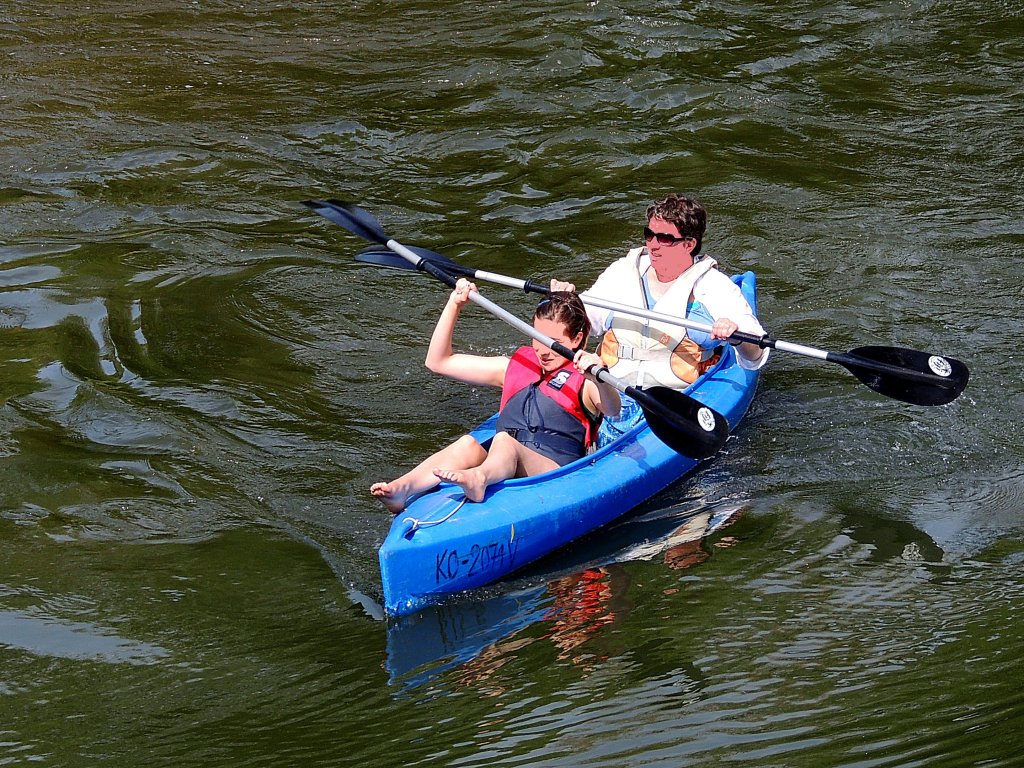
(738, 337)
(532, 286)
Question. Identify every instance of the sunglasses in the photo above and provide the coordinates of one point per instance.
(663, 238)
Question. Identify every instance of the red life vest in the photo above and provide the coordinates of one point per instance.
(563, 433)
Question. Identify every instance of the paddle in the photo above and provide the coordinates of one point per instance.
(681, 422)
(897, 372)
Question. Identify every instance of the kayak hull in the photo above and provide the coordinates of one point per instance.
(442, 544)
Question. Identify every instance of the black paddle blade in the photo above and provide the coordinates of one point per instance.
(684, 424)
(385, 257)
(906, 374)
(351, 217)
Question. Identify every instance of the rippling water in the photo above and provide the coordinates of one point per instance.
(198, 383)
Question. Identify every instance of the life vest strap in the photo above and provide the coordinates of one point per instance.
(626, 352)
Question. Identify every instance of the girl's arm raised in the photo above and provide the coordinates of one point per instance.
(471, 369)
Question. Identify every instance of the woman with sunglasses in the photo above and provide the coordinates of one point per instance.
(550, 407)
(669, 276)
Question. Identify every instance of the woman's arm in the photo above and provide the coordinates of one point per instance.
(725, 327)
(442, 359)
(725, 302)
(598, 397)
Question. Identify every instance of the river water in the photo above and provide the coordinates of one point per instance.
(199, 383)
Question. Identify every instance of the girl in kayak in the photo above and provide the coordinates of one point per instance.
(550, 407)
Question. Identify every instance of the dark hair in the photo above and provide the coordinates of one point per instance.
(687, 214)
(565, 308)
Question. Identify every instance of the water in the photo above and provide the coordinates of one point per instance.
(198, 383)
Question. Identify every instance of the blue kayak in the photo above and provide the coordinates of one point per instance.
(443, 544)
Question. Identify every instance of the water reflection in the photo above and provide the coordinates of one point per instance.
(575, 612)
(443, 637)
(889, 537)
(581, 617)
(685, 546)
(583, 605)
(44, 635)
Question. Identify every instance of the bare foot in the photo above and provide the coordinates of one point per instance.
(391, 495)
(470, 480)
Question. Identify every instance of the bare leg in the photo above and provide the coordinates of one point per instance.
(464, 452)
(507, 458)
